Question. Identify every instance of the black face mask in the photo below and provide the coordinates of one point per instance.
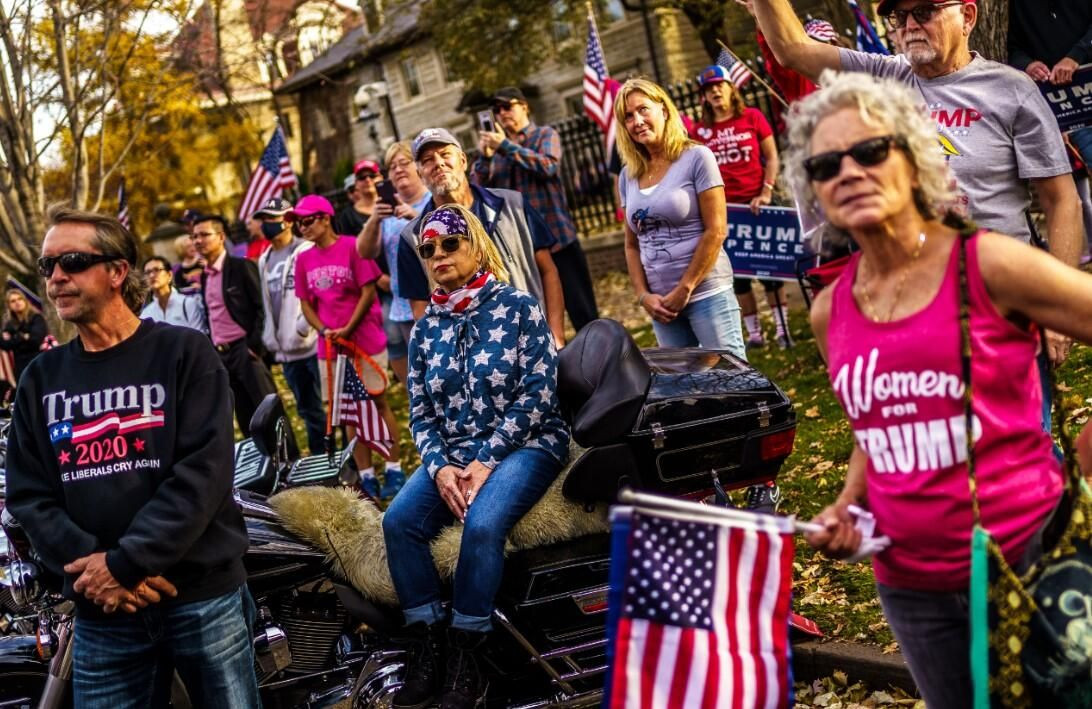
(271, 230)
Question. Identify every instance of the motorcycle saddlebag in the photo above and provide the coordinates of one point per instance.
(707, 413)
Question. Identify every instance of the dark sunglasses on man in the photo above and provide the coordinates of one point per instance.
(922, 14)
(73, 262)
(867, 153)
(449, 245)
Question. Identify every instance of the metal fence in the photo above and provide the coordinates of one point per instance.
(585, 168)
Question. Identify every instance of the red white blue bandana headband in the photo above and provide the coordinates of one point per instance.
(444, 222)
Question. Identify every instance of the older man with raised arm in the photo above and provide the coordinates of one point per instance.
(517, 229)
(995, 126)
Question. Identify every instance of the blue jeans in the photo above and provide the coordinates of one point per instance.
(712, 323)
(302, 377)
(1081, 139)
(120, 662)
(397, 332)
(418, 514)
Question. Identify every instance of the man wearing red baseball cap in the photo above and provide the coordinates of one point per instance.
(994, 125)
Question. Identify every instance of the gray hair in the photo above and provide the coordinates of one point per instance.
(110, 238)
(881, 102)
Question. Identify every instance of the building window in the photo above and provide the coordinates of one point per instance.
(613, 11)
(410, 78)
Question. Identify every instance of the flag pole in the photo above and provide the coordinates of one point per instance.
(692, 509)
(772, 90)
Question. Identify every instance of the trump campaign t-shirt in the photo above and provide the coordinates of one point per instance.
(735, 144)
(995, 128)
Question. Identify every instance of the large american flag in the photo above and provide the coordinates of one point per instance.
(599, 88)
(123, 206)
(738, 73)
(699, 612)
(356, 408)
(272, 176)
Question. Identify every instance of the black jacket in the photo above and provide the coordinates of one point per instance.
(1048, 31)
(128, 450)
(243, 297)
(25, 340)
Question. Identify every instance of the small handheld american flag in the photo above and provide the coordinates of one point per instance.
(699, 610)
(738, 73)
(271, 177)
(123, 206)
(354, 407)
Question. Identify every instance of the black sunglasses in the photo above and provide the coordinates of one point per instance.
(73, 262)
(450, 244)
(306, 222)
(921, 13)
(867, 153)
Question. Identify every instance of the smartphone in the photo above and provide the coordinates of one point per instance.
(387, 193)
(486, 122)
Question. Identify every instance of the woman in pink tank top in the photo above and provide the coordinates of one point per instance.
(865, 156)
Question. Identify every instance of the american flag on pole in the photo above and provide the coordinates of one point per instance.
(699, 611)
(867, 39)
(599, 88)
(356, 408)
(738, 73)
(272, 176)
(123, 206)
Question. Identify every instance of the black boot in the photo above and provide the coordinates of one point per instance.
(464, 682)
(423, 666)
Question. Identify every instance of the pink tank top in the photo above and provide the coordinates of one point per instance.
(900, 385)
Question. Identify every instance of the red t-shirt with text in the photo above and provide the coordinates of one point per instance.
(735, 143)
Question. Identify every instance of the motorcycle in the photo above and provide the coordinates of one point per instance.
(687, 423)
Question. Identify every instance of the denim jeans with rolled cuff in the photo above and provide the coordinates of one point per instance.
(119, 663)
(418, 514)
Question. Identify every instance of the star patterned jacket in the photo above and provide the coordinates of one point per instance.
(483, 383)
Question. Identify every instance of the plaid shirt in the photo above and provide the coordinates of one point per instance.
(532, 167)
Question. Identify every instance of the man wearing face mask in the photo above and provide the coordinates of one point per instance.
(285, 332)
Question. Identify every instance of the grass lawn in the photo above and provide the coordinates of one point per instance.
(840, 597)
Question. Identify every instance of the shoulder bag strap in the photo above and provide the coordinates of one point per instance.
(1072, 470)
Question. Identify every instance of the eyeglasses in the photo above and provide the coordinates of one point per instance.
(73, 262)
(921, 13)
(449, 244)
(153, 271)
(306, 222)
(824, 166)
(400, 165)
(366, 176)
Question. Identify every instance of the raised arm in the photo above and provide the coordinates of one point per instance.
(792, 47)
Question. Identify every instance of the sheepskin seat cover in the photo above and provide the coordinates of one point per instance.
(349, 531)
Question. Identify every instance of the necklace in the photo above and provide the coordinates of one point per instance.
(898, 286)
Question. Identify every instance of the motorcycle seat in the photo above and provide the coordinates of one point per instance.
(602, 383)
(266, 432)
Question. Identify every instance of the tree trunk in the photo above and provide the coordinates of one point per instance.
(990, 35)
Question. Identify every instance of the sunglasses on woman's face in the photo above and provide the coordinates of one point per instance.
(72, 262)
(306, 222)
(867, 153)
(449, 244)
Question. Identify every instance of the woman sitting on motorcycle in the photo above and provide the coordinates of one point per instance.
(485, 417)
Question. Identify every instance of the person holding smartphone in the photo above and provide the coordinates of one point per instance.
(526, 158)
(402, 196)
